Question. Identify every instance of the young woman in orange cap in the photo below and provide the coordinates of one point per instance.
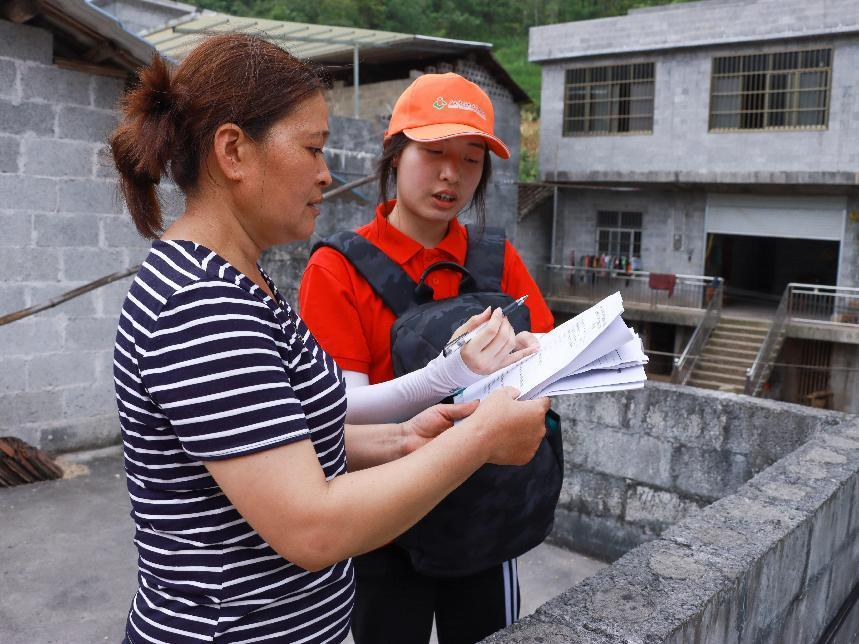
(436, 156)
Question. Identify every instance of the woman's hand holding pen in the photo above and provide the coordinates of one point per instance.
(496, 345)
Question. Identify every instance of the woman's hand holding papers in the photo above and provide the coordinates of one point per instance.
(512, 428)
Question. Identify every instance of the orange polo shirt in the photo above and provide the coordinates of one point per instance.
(353, 324)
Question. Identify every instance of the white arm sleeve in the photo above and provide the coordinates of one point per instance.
(401, 398)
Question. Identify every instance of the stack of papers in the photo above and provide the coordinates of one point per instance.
(595, 351)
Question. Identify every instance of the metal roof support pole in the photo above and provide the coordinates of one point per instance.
(356, 83)
(554, 225)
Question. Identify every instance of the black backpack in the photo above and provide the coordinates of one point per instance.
(500, 512)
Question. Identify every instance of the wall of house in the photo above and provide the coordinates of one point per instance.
(62, 227)
(681, 150)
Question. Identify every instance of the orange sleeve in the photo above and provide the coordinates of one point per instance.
(516, 281)
(327, 304)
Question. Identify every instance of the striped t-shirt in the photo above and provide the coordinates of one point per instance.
(207, 366)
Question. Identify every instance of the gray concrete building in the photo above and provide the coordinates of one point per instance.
(712, 139)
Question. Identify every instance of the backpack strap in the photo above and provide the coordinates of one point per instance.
(485, 257)
(384, 275)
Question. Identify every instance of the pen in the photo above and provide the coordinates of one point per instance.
(460, 341)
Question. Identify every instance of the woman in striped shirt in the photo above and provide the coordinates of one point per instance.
(233, 418)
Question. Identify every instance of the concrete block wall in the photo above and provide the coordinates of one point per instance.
(62, 226)
(770, 563)
(639, 461)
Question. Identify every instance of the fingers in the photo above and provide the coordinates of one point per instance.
(525, 340)
(457, 411)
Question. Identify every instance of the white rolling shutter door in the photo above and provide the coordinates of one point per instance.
(765, 216)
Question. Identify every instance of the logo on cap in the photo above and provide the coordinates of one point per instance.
(439, 103)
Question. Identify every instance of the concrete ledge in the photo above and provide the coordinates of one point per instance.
(771, 562)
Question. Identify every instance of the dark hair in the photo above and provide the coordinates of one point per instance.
(169, 118)
(388, 175)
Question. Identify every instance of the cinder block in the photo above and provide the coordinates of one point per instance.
(831, 529)
(92, 432)
(50, 83)
(120, 231)
(88, 195)
(51, 370)
(656, 507)
(710, 474)
(10, 148)
(106, 92)
(641, 458)
(88, 264)
(81, 306)
(26, 43)
(29, 264)
(90, 334)
(31, 336)
(65, 231)
(13, 375)
(679, 416)
(85, 124)
(8, 73)
(87, 401)
(19, 118)
(104, 167)
(113, 296)
(603, 537)
(53, 158)
(591, 493)
(13, 297)
(806, 618)
(28, 193)
(16, 227)
(29, 407)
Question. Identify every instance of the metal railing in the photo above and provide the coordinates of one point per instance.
(684, 364)
(803, 303)
(593, 284)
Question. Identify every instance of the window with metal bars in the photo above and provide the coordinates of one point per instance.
(619, 233)
(613, 99)
(787, 90)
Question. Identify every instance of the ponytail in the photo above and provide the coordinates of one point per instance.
(142, 145)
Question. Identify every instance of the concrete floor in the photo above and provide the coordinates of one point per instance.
(67, 562)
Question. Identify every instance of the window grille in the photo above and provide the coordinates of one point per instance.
(614, 99)
(786, 90)
(619, 233)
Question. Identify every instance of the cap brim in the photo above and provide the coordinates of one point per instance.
(441, 131)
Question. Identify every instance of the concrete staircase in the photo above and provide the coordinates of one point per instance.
(731, 350)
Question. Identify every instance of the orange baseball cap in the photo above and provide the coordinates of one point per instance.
(442, 106)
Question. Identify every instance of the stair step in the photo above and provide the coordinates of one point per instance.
(721, 375)
(743, 336)
(745, 322)
(722, 362)
(745, 355)
(729, 343)
(719, 386)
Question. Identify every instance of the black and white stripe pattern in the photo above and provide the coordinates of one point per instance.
(511, 591)
(207, 366)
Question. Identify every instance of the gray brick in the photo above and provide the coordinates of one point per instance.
(89, 196)
(29, 264)
(16, 229)
(81, 306)
(106, 92)
(18, 118)
(660, 507)
(13, 373)
(96, 334)
(61, 369)
(104, 167)
(113, 296)
(640, 458)
(88, 264)
(87, 401)
(28, 193)
(8, 73)
(31, 336)
(65, 230)
(81, 433)
(12, 298)
(56, 85)
(590, 493)
(10, 148)
(53, 158)
(26, 43)
(85, 124)
(30, 407)
(711, 474)
(120, 231)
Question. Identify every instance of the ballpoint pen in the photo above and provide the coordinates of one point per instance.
(460, 341)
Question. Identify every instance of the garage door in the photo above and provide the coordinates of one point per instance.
(764, 216)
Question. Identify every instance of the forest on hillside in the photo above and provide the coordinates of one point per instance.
(504, 23)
